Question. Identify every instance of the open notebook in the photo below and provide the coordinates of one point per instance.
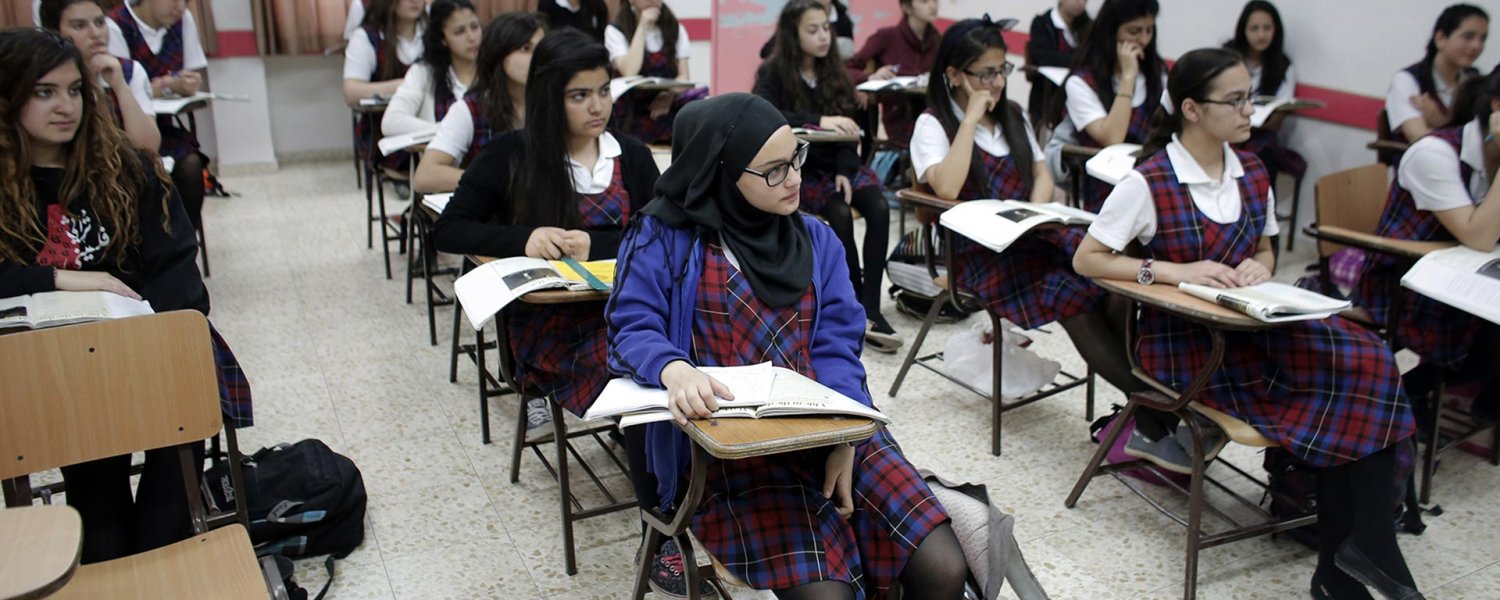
(1270, 302)
(760, 391)
(51, 309)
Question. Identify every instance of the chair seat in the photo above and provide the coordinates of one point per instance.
(218, 564)
(1237, 430)
(725, 576)
(941, 281)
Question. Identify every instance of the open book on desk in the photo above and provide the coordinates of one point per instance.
(1265, 106)
(1461, 277)
(760, 391)
(619, 86)
(437, 202)
(52, 309)
(894, 83)
(996, 224)
(1270, 302)
(491, 286)
(1113, 163)
(395, 143)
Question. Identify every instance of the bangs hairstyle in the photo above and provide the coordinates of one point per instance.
(380, 16)
(541, 185)
(504, 35)
(1192, 78)
(666, 23)
(1097, 55)
(1274, 61)
(435, 51)
(1473, 98)
(835, 92)
(49, 13)
(1447, 23)
(963, 44)
(99, 165)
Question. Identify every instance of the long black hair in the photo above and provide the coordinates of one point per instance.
(49, 13)
(541, 183)
(1472, 100)
(1274, 61)
(435, 51)
(1098, 57)
(504, 35)
(1192, 78)
(963, 43)
(380, 15)
(1448, 22)
(835, 92)
(666, 22)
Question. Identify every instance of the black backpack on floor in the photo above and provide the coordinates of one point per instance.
(912, 286)
(302, 499)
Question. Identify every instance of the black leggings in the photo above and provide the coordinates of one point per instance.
(187, 177)
(1355, 501)
(936, 570)
(114, 525)
(871, 204)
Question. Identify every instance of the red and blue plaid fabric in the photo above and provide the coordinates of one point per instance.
(766, 518)
(818, 189)
(367, 129)
(234, 387)
(1032, 283)
(1440, 333)
(176, 142)
(482, 130)
(1095, 191)
(562, 350)
(632, 112)
(1327, 391)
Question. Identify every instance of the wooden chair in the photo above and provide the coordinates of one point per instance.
(734, 439)
(96, 390)
(375, 178)
(1388, 148)
(1186, 406)
(422, 263)
(1350, 204)
(927, 208)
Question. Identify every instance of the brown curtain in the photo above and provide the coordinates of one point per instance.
(203, 14)
(489, 9)
(300, 26)
(15, 13)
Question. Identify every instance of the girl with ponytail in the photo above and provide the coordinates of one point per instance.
(1327, 391)
(1420, 98)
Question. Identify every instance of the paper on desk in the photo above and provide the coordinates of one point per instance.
(172, 106)
(1113, 163)
(396, 143)
(1461, 277)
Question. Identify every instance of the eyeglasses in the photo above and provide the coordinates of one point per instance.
(1237, 103)
(988, 77)
(777, 174)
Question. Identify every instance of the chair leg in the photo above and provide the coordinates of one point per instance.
(565, 489)
(1291, 234)
(458, 311)
(484, 395)
(916, 345)
(203, 251)
(409, 237)
(428, 265)
(997, 396)
(1116, 427)
(689, 565)
(643, 565)
(1434, 439)
(1088, 398)
(1195, 511)
(370, 183)
(385, 244)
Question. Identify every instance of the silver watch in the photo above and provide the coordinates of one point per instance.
(1145, 276)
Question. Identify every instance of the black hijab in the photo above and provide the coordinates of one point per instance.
(713, 141)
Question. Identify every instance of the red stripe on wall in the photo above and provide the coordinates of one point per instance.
(698, 30)
(236, 43)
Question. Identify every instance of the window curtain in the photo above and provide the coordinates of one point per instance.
(299, 26)
(15, 13)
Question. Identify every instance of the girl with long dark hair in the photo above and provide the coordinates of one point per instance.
(902, 50)
(560, 187)
(720, 270)
(805, 78)
(647, 40)
(127, 86)
(1116, 84)
(1327, 391)
(495, 104)
(1260, 39)
(1420, 98)
(1055, 36)
(450, 50)
(86, 210)
(375, 63)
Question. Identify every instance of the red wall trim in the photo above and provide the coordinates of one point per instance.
(698, 30)
(236, 43)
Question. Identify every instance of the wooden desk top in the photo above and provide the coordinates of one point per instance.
(917, 91)
(737, 438)
(924, 199)
(1407, 249)
(1171, 299)
(39, 549)
(550, 296)
(826, 137)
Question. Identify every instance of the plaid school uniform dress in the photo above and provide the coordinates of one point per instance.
(176, 142)
(1032, 283)
(1095, 191)
(632, 112)
(367, 128)
(482, 130)
(1328, 391)
(820, 188)
(562, 350)
(1440, 333)
(765, 518)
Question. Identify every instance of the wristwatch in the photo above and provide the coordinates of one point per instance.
(1145, 276)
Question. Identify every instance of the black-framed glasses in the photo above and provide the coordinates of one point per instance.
(1238, 104)
(774, 176)
(988, 77)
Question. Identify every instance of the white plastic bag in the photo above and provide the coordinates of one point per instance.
(967, 358)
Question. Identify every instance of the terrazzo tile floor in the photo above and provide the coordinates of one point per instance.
(334, 352)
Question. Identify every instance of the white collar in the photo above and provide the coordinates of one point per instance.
(609, 147)
(1471, 147)
(567, 5)
(1189, 172)
(140, 23)
(1057, 20)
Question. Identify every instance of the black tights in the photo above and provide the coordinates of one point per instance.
(114, 525)
(187, 177)
(1354, 503)
(1100, 339)
(936, 570)
(871, 204)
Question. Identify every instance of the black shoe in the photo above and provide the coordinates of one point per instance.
(1350, 560)
(668, 577)
(880, 336)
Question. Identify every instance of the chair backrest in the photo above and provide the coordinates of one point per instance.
(1352, 199)
(1388, 155)
(84, 392)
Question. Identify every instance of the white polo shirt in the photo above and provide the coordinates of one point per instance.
(930, 145)
(1429, 170)
(193, 57)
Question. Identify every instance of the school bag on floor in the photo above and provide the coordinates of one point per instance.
(912, 286)
(302, 499)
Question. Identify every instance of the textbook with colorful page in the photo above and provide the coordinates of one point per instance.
(51, 309)
(1461, 277)
(490, 286)
(1270, 301)
(996, 224)
(760, 391)
(620, 85)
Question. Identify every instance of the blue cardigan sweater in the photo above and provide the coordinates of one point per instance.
(650, 316)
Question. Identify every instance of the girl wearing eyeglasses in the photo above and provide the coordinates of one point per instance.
(563, 186)
(974, 143)
(805, 78)
(1116, 84)
(720, 271)
(1326, 391)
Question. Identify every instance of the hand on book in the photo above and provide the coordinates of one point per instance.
(838, 478)
(1203, 272)
(88, 281)
(691, 393)
(1251, 272)
(554, 243)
